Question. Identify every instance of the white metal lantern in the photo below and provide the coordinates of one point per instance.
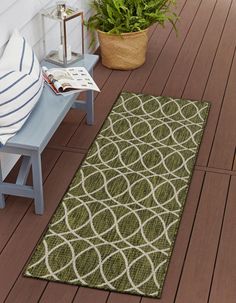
(62, 14)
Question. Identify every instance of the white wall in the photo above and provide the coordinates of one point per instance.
(25, 15)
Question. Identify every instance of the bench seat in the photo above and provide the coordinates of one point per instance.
(47, 115)
(31, 140)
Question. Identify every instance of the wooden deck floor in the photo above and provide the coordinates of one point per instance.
(199, 64)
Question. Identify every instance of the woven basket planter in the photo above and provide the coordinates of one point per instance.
(125, 51)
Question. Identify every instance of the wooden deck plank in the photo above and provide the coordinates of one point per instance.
(101, 74)
(91, 295)
(67, 128)
(217, 82)
(203, 38)
(164, 64)
(31, 227)
(59, 293)
(21, 294)
(195, 281)
(223, 287)
(203, 64)
(223, 150)
(117, 298)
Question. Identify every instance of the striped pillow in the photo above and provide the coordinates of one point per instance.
(21, 84)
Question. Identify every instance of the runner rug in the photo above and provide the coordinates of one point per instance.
(116, 225)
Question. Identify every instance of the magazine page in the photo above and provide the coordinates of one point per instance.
(60, 78)
(82, 79)
(53, 88)
(67, 79)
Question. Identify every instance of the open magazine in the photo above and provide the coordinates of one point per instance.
(64, 81)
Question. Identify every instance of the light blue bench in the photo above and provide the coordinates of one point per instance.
(31, 140)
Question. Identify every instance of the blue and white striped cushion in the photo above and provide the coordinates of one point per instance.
(21, 84)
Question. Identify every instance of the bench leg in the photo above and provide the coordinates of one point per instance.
(2, 201)
(90, 108)
(24, 170)
(90, 105)
(2, 198)
(37, 183)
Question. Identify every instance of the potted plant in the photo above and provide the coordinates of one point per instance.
(122, 27)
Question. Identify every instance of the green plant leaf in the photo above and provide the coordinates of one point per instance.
(124, 16)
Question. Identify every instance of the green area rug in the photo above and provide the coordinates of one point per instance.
(116, 226)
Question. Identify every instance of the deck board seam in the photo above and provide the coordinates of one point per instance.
(233, 163)
(76, 293)
(41, 295)
(67, 149)
(215, 170)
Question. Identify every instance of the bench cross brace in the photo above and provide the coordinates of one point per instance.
(32, 159)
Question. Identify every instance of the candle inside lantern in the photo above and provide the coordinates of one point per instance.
(60, 53)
